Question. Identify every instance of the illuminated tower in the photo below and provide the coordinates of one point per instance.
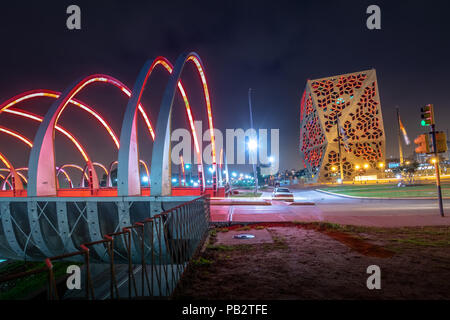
(343, 108)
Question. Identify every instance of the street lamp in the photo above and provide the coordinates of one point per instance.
(252, 144)
(357, 167)
(366, 166)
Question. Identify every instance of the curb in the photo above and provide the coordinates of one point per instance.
(378, 198)
(240, 203)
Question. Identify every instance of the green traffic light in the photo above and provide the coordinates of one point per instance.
(423, 123)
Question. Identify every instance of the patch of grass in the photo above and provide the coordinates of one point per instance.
(201, 261)
(246, 195)
(245, 247)
(244, 228)
(23, 287)
(423, 242)
(220, 247)
(337, 227)
(430, 236)
(389, 190)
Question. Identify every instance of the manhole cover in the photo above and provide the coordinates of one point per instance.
(244, 236)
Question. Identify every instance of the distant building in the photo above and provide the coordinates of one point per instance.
(345, 106)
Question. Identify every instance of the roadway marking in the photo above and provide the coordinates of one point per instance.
(230, 214)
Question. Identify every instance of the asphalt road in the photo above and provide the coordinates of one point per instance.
(336, 209)
(336, 205)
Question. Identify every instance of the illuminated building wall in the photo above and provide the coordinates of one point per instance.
(352, 101)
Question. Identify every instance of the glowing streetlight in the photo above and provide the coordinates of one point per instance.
(381, 165)
(357, 167)
(252, 145)
(333, 169)
(366, 166)
(433, 160)
(271, 159)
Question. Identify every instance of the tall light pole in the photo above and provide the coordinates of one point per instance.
(252, 152)
(400, 149)
(341, 170)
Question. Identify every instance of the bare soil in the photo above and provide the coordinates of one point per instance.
(321, 261)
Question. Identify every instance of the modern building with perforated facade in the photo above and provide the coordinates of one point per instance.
(346, 109)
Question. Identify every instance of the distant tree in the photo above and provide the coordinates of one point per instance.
(407, 170)
(113, 174)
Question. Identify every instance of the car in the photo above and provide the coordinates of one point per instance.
(282, 194)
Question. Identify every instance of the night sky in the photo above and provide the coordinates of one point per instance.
(272, 47)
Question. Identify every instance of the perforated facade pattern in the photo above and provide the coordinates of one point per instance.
(351, 103)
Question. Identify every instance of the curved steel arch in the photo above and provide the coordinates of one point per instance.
(146, 169)
(84, 175)
(29, 115)
(17, 183)
(66, 175)
(4, 178)
(96, 164)
(13, 172)
(16, 135)
(5, 107)
(20, 175)
(108, 180)
(42, 180)
(9, 183)
(160, 179)
(30, 144)
(128, 182)
(41, 167)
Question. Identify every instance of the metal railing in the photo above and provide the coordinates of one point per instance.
(158, 248)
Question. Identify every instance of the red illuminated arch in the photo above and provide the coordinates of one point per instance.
(16, 135)
(30, 144)
(111, 166)
(128, 173)
(29, 115)
(160, 180)
(84, 175)
(17, 183)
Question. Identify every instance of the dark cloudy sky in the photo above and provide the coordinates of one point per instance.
(271, 46)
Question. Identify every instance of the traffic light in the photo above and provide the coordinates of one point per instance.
(441, 142)
(427, 115)
(423, 143)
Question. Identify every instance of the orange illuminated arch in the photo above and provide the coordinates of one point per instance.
(29, 115)
(84, 175)
(16, 182)
(5, 107)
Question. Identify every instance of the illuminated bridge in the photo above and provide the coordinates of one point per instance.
(40, 219)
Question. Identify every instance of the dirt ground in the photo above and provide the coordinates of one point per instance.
(320, 261)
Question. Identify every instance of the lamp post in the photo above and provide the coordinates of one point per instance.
(253, 144)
